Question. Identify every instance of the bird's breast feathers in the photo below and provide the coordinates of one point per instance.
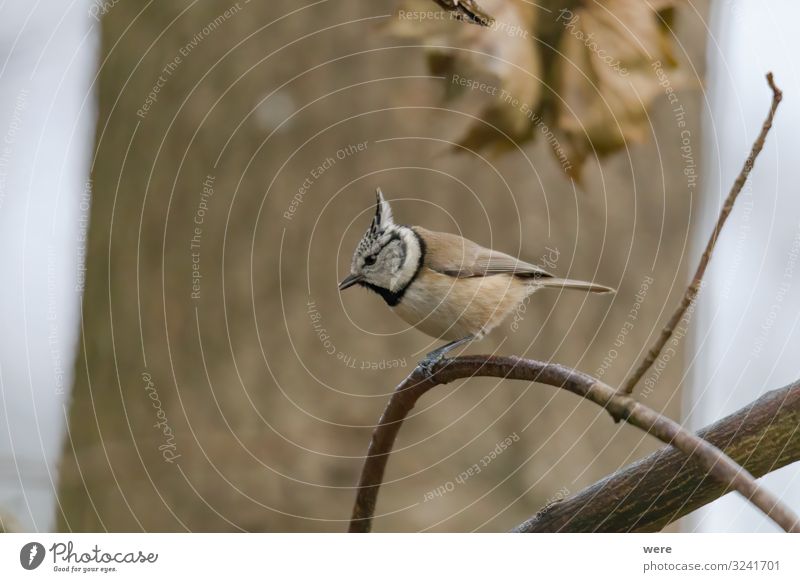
(451, 308)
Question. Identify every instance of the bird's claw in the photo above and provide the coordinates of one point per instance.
(428, 363)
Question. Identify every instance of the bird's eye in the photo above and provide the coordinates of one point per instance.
(370, 260)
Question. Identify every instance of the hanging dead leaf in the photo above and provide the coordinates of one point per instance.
(595, 60)
(604, 75)
(497, 64)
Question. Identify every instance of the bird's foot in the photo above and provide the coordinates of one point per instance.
(428, 363)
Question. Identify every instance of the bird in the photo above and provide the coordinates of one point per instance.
(445, 285)
(468, 10)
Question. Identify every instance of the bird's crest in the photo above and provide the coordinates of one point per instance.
(383, 213)
(381, 222)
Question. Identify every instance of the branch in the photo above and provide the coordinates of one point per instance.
(661, 488)
(694, 287)
(621, 407)
(467, 10)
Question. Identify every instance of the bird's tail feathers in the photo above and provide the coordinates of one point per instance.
(575, 284)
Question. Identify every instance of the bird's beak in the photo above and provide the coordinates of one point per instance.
(349, 281)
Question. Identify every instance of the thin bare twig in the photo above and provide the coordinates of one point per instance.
(694, 287)
(663, 487)
(713, 461)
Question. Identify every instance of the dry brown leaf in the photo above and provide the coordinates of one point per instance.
(604, 75)
(598, 60)
(498, 62)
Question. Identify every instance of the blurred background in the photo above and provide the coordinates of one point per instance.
(177, 356)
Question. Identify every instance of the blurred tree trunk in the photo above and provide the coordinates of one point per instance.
(165, 431)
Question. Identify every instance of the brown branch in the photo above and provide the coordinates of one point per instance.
(661, 488)
(467, 10)
(712, 461)
(694, 287)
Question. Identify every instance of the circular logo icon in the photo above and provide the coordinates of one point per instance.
(31, 555)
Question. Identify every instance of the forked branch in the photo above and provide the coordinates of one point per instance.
(711, 460)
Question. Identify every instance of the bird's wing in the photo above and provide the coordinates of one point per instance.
(457, 256)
